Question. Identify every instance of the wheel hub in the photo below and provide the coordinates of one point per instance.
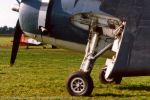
(78, 85)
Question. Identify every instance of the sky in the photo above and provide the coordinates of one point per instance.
(7, 16)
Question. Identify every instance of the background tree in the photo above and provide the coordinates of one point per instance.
(6, 30)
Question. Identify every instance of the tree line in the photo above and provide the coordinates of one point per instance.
(7, 30)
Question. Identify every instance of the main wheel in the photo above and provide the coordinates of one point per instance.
(80, 84)
(115, 80)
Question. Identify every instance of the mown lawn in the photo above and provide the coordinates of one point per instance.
(5, 41)
(42, 73)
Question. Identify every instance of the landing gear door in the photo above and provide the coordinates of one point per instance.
(43, 13)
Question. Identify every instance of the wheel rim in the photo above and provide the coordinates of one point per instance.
(78, 85)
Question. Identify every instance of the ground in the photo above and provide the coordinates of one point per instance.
(41, 74)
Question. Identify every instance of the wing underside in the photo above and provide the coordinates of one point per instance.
(134, 54)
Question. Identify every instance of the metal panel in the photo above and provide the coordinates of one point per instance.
(134, 57)
(43, 13)
(80, 6)
(28, 17)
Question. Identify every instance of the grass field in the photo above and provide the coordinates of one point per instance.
(5, 41)
(41, 74)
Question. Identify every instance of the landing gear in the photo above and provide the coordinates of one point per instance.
(102, 32)
(80, 84)
(116, 80)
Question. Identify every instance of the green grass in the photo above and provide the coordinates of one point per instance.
(5, 41)
(42, 73)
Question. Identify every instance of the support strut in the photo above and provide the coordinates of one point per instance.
(91, 51)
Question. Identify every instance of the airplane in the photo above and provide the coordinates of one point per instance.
(24, 41)
(28, 41)
(93, 27)
(32, 42)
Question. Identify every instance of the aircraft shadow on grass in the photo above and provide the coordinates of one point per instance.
(113, 95)
(128, 87)
(135, 87)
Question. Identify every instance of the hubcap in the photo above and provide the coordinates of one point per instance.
(78, 85)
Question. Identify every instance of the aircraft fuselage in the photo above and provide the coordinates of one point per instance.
(54, 15)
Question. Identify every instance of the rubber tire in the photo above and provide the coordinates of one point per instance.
(88, 84)
(103, 80)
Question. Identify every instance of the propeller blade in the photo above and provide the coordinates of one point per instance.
(18, 1)
(16, 42)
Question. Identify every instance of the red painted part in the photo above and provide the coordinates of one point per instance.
(23, 40)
